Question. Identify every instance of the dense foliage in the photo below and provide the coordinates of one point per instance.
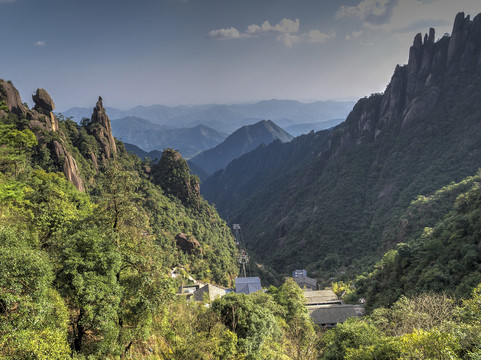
(86, 273)
(329, 201)
(439, 249)
(428, 326)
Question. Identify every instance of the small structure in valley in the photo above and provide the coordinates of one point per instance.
(332, 314)
(304, 282)
(247, 285)
(201, 292)
(209, 292)
(327, 310)
(321, 297)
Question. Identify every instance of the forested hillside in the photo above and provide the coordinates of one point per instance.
(85, 262)
(438, 248)
(328, 201)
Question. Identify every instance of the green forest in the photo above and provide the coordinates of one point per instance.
(85, 274)
(385, 209)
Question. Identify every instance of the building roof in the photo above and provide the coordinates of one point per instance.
(213, 292)
(305, 280)
(247, 285)
(320, 297)
(331, 314)
(299, 273)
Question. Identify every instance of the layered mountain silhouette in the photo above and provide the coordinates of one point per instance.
(149, 136)
(242, 141)
(327, 201)
(229, 118)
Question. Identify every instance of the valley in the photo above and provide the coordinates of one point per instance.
(120, 229)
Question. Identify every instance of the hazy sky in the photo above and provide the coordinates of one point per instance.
(142, 52)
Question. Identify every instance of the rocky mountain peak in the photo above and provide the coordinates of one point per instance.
(101, 128)
(44, 105)
(43, 101)
(10, 95)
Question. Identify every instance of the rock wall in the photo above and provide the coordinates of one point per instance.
(101, 129)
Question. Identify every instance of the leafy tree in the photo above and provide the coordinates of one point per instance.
(33, 317)
(252, 318)
(88, 280)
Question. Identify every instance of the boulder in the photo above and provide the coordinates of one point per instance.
(42, 100)
(187, 244)
(11, 96)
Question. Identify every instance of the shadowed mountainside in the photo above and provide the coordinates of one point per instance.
(328, 198)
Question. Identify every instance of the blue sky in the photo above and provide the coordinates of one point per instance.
(173, 52)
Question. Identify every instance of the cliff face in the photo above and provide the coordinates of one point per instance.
(415, 88)
(41, 120)
(326, 197)
(52, 140)
(101, 129)
(12, 98)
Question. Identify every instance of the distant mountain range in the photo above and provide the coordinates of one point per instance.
(149, 136)
(153, 155)
(242, 141)
(228, 118)
(299, 129)
(328, 201)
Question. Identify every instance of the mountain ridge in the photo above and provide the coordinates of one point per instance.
(320, 199)
(243, 140)
(228, 118)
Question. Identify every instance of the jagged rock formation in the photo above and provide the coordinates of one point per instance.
(41, 119)
(10, 95)
(70, 168)
(187, 244)
(101, 129)
(41, 115)
(329, 196)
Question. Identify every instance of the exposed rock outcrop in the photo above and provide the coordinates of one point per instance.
(41, 115)
(187, 244)
(414, 89)
(101, 129)
(70, 168)
(43, 101)
(41, 119)
(10, 95)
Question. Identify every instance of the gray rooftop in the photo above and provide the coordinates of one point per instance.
(320, 297)
(247, 285)
(331, 314)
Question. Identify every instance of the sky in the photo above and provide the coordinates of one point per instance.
(173, 52)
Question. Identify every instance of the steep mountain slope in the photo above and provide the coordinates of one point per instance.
(299, 129)
(150, 136)
(89, 236)
(245, 139)
(327, 199)
(439, 248)
(95, 163)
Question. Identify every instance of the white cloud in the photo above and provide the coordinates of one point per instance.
(288, 39)
(224, 34)
(39, 43)
(354, 35)
(253, 30)
(369, 11)
(286, 27)
(315, 36)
